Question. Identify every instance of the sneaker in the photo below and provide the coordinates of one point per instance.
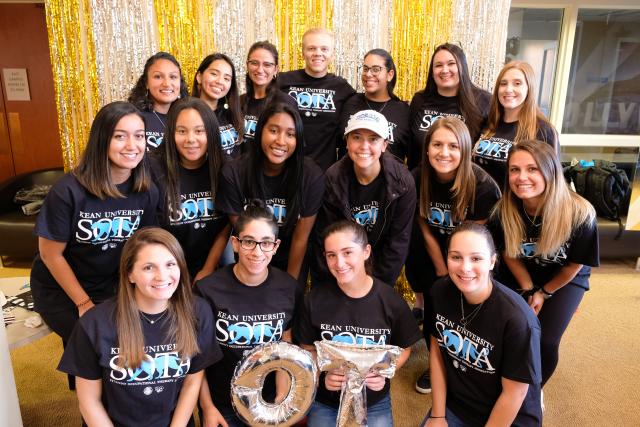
(418, 314)
(423, 383)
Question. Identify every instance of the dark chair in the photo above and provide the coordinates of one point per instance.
(16, 228)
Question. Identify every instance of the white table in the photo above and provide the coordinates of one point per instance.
(18, 334)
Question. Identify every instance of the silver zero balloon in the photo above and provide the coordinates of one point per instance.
(248, 380)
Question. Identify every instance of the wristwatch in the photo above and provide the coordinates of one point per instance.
(546, 295)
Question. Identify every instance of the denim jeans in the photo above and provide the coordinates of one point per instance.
(452, 419)
(378, 415)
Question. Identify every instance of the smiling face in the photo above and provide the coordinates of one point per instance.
(155, 275)
(470, 261)
(365, 148)
(126, 147)
(444, 154)
(191, 139)
(254, 262)
(346, 258)
(261, 67)
(512, 91)
(375, 84)
(525, 179)
(215, 81)
(445, 73)
(317, 50)
(163, 83)
(278, 142)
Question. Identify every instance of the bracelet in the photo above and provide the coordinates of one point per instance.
(436, 417)
(544, 291)
(85, 302)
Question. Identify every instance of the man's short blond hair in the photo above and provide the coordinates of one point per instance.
(318, 30)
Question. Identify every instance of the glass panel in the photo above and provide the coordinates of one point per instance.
(533, 36)
(603, 96)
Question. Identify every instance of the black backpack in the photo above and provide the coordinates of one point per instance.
(602, 184)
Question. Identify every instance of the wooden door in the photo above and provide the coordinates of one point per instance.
(31, 127)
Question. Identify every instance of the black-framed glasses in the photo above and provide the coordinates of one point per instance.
(374, 70)
(250, 244)
(256, 64)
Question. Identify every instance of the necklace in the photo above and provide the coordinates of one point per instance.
(371, 108)
(154, 320)
(159, 119)
(532, 221)
(465, 320)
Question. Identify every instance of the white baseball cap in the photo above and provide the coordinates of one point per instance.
(368, 119)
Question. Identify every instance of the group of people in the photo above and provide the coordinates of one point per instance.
(192, 223)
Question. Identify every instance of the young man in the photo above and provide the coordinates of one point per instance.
(320, 96)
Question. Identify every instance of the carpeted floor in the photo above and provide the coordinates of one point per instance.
(595, 384)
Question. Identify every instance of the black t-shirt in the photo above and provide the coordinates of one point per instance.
(149, 394)
(231, 149)
(366, 201)
(425, 109)
(581, 248)
(395, 111)
(491, 153)
(95, 231)
(197, 223)
(440, 221)
(320, 101)
(154, 124)
(232, 199)
(245, 316)
(381, 317)
(254, 107)
(501, 341)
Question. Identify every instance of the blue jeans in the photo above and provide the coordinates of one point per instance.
(452, 419)
(378, 415)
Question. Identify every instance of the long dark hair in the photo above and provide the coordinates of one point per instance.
(182, 321)
(388, 62)
(233, 114)
(467, 91)
(293, 168)
(170, 158)
(139, 95)
(272, 88)
(94, 169)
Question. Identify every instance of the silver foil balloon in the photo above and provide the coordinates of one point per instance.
(248, 380)
(356, 361)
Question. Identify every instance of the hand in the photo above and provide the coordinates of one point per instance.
(85, 307)
(333, 380)
(436, 422)
(213, 418)
(535, 302)
(201, 275)
(374, 382)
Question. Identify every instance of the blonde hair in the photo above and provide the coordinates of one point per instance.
(182, 326)
(464, 185)
(529, 115)
(319, 30)
(562, 210)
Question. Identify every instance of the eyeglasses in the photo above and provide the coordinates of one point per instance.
(256, 64)
(250, 244)
(375, 70)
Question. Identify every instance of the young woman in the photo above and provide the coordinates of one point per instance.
(277, 172)
(449, 92)
(188, 177)
(379, 80)
(253, 304)
(139, 359)
(514, 116)
(451, 189)
(160, 84)
(87, 217)
(215, 83)
(485, 342)
(373, 189)
(549, 239)
(360, 309)
(262, 85)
